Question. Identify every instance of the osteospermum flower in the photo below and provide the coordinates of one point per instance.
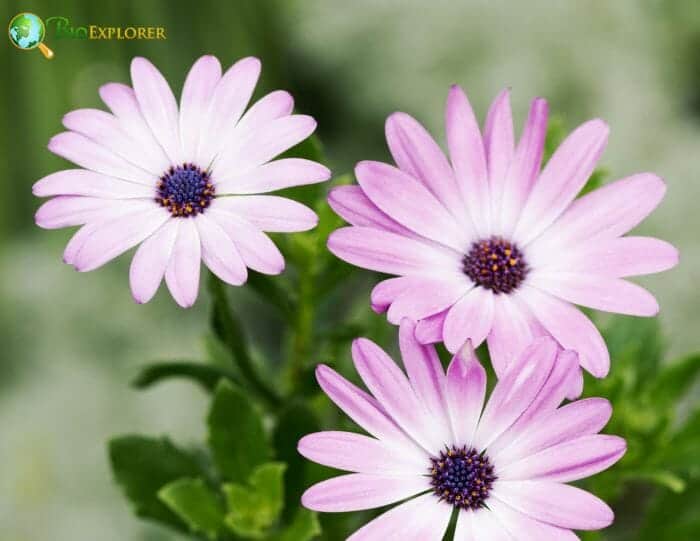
(180, 180)
(489, 247)
(501, 467)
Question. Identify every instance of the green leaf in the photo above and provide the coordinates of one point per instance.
(295, 421)
(205, 375)
(269, 290)
(662, 478)
(142, 465)
(256, 507)
(682, 451)
(196, 504)
(304, 527)
(236, 433)
(672, 516)
(675, 380)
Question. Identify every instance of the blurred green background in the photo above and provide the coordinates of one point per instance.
(71, 343)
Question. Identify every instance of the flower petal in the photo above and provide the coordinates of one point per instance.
(568, 461)
(516, 391)
(554, 503)
(562, 178)
(270, 212)
(88, 183)
(219, 252)
(273, 176)
(388, 252)
(150, 261)
(599, 292)
(410, 203)
(571, 328)
(499, 146)
(387, 291)
(417, 153)
(525, 528)
(360, 454)
(117, 236)
(430, 329)
(525, 166)
(434, 295)
(182, 274)
(229, 100)
(469, 319)
(158, 106)
(420, 519)
(353, 206)
(270, 107)
(197, 92)
(464, 392)
(486, 527)
(468, 158)
(68, 210)
(255, 247)
(359, 491)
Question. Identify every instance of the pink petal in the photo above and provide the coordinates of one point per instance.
(150, 261)
(388, 252)
(420, 519)
(389, 385)
(426, 375)
(468, 158)
(182, 274)
(469, 319)
(121, 99)
(229, 100)
(569, 422)
(270, 107)
(513, 329)
(562, 178)
(269, 212)
(486, 526)
(554, 503)
(465, 391)
(351, 204)
(410, 203)
(262, 145)
(197, 92)
(158, 106)
(91, 155)
(499, 146)
(525, 528)
(417, 153)
(255, 247)
(359, 491)
(361, 408)
(516, 391)
(572, 329)
(599, 292)
(88, 183)
(361, 454)
(387, 291)
(273, 176)
(430, 329)
(525, 166)
(67, 211)
(117, 236)
(105, 130)
(568, 461)
(219, 252)
(433, 296)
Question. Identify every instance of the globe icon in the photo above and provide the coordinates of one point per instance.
(26, 30)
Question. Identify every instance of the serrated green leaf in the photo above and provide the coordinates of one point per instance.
(304, 527)
(142, 465)
(237, 437)
(205, 375)
(255, 507)
(196, 504)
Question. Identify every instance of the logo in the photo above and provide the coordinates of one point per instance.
(27, 31)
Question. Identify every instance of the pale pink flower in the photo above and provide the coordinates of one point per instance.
(180, 181)
(488, 247)
(502, 466)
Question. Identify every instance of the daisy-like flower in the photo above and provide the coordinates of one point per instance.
(490, 247)
(180, 181)
(502, 467)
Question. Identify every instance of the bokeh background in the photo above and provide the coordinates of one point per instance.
(71, 343)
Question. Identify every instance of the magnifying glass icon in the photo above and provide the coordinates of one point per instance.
(27, 31)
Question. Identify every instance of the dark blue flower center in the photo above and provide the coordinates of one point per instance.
(496, 264)
(185, 190)
(462, 477)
